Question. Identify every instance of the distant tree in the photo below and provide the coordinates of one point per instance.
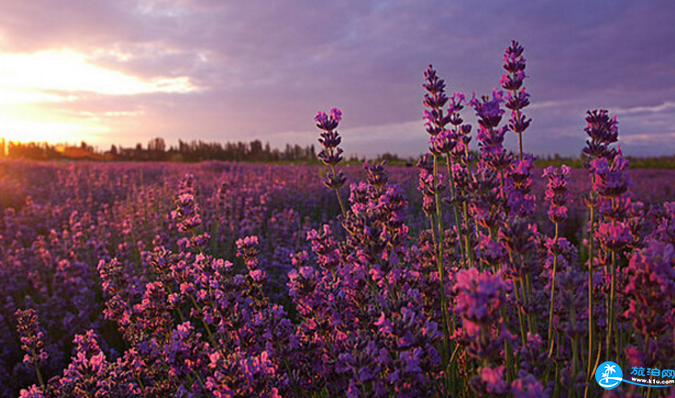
(268, 152)
(156, 149)
(157, 145)
(85, 147)
(255, 151)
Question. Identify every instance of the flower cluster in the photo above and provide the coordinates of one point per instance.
(517, 98)
(651, 288)
(556, 192)
(330, 139)
(479, 297)
(602, 131)
(31, 340)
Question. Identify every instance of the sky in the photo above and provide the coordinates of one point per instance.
(126, 71)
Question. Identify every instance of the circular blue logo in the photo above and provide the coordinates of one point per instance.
(609, 375)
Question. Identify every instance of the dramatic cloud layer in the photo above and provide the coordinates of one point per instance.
(127, 71)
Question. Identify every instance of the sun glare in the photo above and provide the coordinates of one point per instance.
(13, 97)
(70, 72)
(28, 81)
(39, 128)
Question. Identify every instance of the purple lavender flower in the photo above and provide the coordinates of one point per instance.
(520, 200)
(479, 295)
(489, 113)
(32, 392)
(442, 143)
(514, 64)
(614, 236)
(513, 58)
(651, 289)
(490, 381)
(611, 181)
(556, 192)
(602, 131)
(527, 386)
(153, 313)
(517, 98)
(186, 355)
(186, 214)
(435, 97)
(516, 101)
(456, 105)
(329, 123)
(331, 154)
(32, 340)
(89, 373)
(488, 109)
(248, 248)
(325, 247)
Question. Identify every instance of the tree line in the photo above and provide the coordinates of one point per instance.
(186, 151)
(254, 151)
(157, 150)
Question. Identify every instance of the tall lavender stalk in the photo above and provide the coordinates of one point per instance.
(494, 157)
(557, 195)
(518, 98)
(331, 154)
(614, 234)
(436, 120)
(650, 290)
(446, 143)
(602, 132)
(32, 341)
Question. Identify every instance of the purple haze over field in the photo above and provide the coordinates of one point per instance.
(127, 71)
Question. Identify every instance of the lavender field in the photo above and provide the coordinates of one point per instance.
(473, 274)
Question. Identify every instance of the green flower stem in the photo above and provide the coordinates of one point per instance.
(508, 353)
(556, 390)
(501, 190)
(520, 133)
(432, 224)
(590, 370)
(532, 318)
(440, 261)
(206, 326)
(337, 192)
(575, 346)
(38, 373)
(467, 241)
(550, 308)
(455, 210)
(611, 320)
(521, 321)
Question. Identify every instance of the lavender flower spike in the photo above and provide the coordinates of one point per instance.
(517, 99)
(331, 154)
(32, 341)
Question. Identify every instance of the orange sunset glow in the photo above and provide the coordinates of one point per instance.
(32, 84)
